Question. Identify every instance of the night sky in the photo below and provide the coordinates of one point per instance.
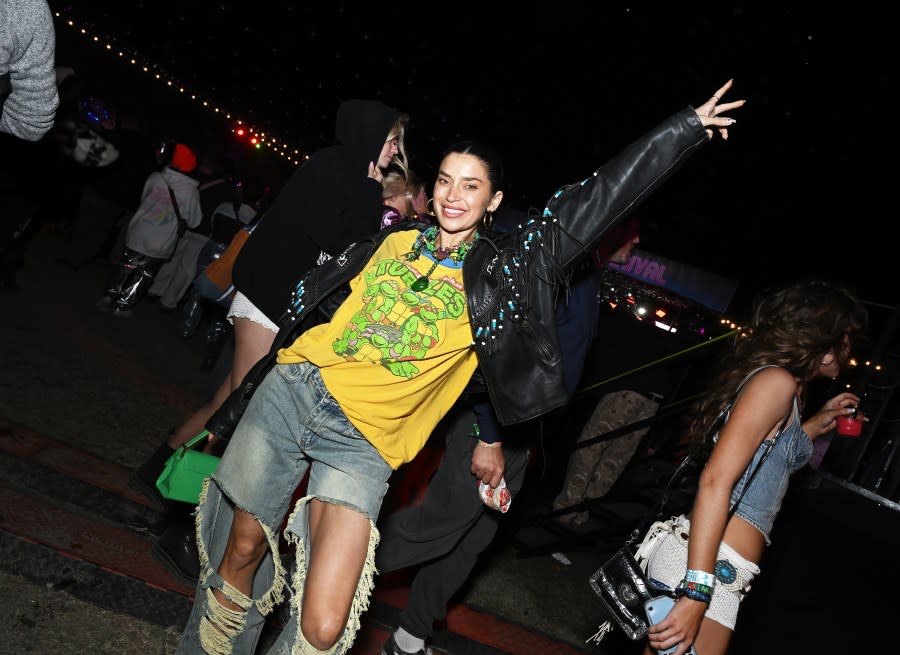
(802, 187)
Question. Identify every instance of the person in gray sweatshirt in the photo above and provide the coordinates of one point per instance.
(28, 93)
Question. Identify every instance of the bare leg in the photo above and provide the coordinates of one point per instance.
(713, 639)
(339, 543)
(243, 554)
(251, 343)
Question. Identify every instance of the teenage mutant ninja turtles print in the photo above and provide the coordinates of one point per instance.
(397, 326)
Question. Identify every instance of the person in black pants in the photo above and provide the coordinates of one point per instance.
(451, 527)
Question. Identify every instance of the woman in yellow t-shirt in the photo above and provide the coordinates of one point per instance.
(352, 399)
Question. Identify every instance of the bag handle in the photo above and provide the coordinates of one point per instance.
(194, 440)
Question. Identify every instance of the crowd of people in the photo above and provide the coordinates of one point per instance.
(366, 312)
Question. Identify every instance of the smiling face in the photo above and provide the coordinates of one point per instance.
(462, 194)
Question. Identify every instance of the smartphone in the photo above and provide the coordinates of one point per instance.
(657, 609)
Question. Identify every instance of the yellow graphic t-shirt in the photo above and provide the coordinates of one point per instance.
(395, 359)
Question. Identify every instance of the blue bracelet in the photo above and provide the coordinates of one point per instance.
(693, 594)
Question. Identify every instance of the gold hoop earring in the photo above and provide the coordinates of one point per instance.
(429, 207)
(487, 220)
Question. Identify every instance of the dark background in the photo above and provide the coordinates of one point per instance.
(800, 189)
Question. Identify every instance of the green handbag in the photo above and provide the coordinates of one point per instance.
(185, 471)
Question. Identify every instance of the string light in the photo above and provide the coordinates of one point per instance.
(257, 139)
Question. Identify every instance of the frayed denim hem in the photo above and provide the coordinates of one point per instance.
(361, 597)
(219, 628)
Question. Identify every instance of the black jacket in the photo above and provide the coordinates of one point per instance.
(511, 280)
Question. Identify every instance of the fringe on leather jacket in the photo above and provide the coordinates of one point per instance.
(512, 280)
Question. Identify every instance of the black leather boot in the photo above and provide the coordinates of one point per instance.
(144, 477)
(176, 549)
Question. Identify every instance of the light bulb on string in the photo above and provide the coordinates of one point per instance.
(108, 43)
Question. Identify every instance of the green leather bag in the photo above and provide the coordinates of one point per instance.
(185, 471)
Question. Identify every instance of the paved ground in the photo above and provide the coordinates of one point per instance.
(85, 398)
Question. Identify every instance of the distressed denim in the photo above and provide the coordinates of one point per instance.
(291, 424)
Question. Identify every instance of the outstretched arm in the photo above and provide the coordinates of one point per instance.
(589, 209)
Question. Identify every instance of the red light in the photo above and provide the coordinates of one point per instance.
(240, 131)
(254, 140)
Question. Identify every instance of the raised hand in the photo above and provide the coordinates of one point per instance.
(711, 112)
(375, 172)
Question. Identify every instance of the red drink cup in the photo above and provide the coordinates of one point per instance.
(849, 426)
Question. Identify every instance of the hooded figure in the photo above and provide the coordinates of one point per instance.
(323, 207)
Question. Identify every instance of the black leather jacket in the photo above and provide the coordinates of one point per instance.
(512, 280)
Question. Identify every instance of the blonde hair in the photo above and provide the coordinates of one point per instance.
(396, 185)
(398, 131)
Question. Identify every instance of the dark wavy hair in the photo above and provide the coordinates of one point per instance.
(792, 327)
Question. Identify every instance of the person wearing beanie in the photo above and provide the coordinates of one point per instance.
(183, 160)
(170, 203)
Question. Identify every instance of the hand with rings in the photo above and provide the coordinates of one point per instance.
(710, 112)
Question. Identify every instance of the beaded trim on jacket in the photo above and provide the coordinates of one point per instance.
(297, 306)
(513, 268)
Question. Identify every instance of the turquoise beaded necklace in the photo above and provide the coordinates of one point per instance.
(427, 241)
